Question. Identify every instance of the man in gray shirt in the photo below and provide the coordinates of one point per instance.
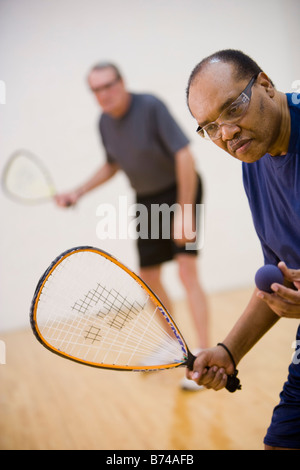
(141, 138)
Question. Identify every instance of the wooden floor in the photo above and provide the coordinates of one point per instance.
(47, 402)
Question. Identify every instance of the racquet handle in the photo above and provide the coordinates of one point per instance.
(233, 382)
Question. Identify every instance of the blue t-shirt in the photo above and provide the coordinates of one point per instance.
(272, 185)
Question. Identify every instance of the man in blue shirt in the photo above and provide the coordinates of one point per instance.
(237, 107)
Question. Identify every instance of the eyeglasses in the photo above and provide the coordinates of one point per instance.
(107, 86)
(230, 115)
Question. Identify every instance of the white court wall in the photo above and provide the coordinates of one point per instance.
(46, 48)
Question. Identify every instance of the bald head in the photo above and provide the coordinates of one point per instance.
(243, 66)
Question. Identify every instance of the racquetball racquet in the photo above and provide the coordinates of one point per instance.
(25, 179)
(90, 308)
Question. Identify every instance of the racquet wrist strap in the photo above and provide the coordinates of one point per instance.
(229, 353)
(233, 382)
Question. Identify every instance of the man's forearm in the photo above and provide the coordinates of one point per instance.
(256, 320)
(106, 172)
(186, 177)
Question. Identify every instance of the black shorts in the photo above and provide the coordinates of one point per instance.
(157, 246)
(284, 430)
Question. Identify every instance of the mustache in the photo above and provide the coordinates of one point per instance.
(237, 142)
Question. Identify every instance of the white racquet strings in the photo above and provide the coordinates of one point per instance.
(26, 179)
(89, 308)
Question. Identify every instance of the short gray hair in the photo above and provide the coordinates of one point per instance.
(106, 65)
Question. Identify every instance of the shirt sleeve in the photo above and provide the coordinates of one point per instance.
(109, 157)
(168, 131)
(269, 255)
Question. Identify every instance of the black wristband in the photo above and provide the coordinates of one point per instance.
(229, 354)
(233, 383)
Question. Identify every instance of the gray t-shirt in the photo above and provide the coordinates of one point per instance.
(143, 143)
